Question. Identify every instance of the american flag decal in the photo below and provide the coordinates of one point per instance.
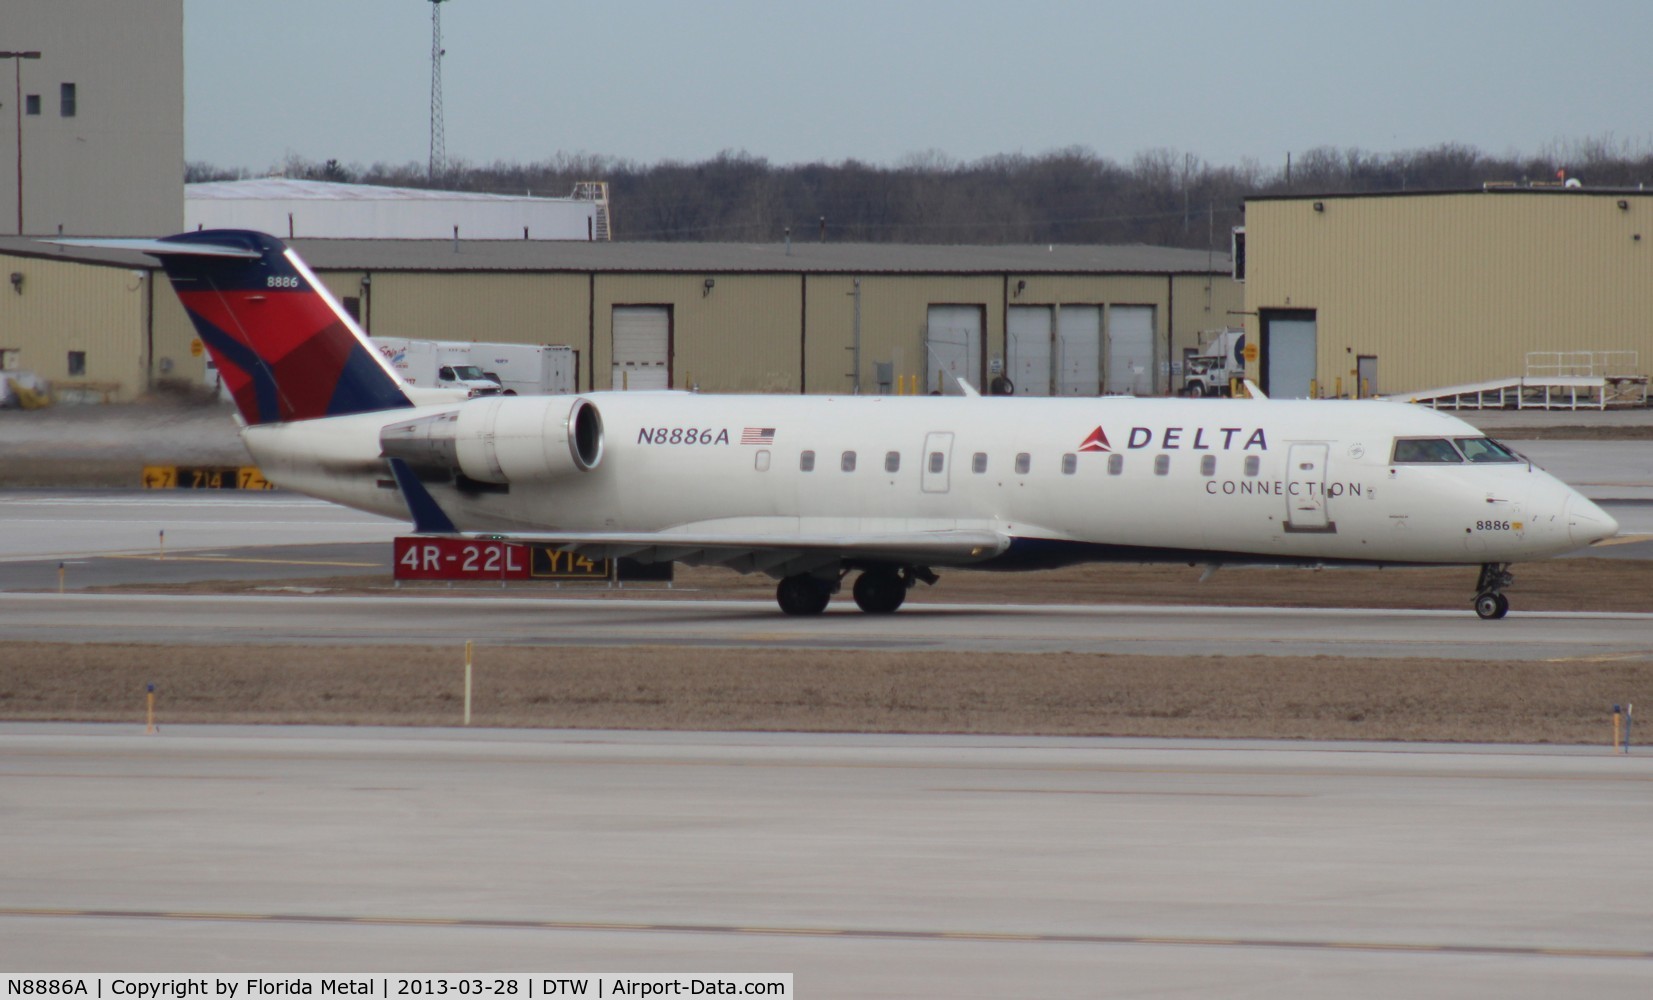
(758, 435)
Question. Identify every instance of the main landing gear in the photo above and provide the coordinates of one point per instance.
(1490, 601)
(879, 590)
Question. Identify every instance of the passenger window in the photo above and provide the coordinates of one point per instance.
(1070, 464)
(978, 463)
(847, 463)
(806, 461)
(1431, 450)
(1485, 450)
(1252, 464)
(1208, 465)
(1116, 464)
(892, 461)
(761, 460)
(1162, 465)
(1024, 461)
(938, 461)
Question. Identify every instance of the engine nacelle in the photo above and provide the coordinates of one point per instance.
(502, 439)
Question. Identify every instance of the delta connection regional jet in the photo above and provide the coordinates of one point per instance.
(810, 489)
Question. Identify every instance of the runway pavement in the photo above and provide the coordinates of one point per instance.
(867, 866)
(165, 619)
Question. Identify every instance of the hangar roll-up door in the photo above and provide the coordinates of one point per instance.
(642, 347)
(1130, 350)
(952, 345)
(1079, 351)
(1028, 330)
(1289, 337)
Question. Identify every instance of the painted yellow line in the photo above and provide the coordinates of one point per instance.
(1621, 540)
(1643, 654)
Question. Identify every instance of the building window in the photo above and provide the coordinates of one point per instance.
(978, 464)
(31, 104)
(77, 362)
(1070, 464)
(1024, 461)
(1162, 465)
(66, 98)
(1208, 465)
(892, 461)
(1116, 464)
(761, 460)
(806, 461)
(847, 462)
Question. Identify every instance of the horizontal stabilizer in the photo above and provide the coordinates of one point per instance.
(165, 248)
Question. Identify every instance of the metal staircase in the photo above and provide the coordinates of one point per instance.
(596, 191)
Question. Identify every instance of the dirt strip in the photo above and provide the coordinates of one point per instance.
(870, 692)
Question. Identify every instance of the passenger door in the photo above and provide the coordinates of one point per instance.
(938, 461)
(1306, 489)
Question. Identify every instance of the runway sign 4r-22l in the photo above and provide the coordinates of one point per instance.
(470, 559)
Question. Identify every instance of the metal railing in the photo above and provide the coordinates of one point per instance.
(1587, 364)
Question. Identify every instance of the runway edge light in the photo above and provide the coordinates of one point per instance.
(149, 712)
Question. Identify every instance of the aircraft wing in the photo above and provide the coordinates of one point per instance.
(779, 546)
(774, 553)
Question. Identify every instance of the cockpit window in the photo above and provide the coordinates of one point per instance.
(1437, 450)
(1485, 450)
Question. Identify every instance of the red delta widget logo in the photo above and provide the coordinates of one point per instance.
(1097, 440)
(1176, 438)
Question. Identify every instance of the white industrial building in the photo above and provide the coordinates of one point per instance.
(328, 210)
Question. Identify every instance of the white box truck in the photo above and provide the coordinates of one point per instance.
(428, 364)
(528, 369)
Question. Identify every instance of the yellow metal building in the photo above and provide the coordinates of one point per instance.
(1401, 293)
(1047, 320)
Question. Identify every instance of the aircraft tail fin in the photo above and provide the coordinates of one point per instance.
(284, 347)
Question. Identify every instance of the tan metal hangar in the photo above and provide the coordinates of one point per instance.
(718, 317)
(1402, 293)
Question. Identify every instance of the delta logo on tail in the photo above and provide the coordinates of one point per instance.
(1097, 441)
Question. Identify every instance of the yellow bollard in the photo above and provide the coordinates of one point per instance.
(1618, 729)
(149, 727)
(60, 578)
(467, 682)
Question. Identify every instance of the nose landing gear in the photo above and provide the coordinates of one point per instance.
(1490, 602)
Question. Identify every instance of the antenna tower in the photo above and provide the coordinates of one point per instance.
(438, 141)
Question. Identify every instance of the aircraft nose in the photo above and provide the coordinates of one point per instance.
(1587, 523)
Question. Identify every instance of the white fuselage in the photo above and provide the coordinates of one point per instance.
(1068, 479)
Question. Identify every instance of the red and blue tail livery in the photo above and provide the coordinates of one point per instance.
(284, 347)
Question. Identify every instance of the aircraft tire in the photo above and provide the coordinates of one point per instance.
(1491, 606)
(802, 595)
(880, 591)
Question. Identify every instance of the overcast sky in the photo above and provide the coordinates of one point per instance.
(879, 81)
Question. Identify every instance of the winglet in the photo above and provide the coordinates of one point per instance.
(1252, 391)
(428, 518)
